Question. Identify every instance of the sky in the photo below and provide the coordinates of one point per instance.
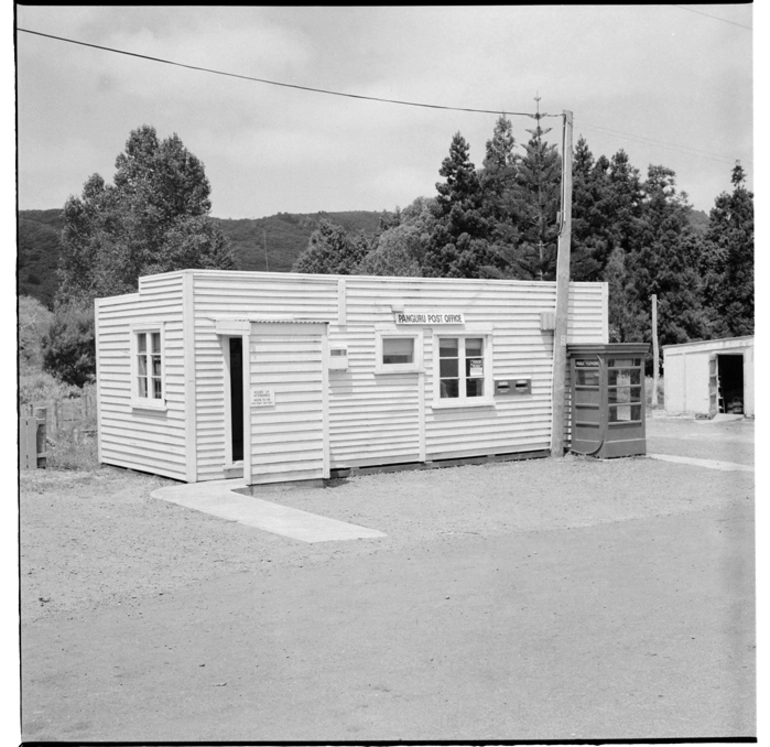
(668, 84)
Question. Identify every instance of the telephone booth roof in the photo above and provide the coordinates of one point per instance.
(613, 348)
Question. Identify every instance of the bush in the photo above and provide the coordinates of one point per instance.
(69, 347)
(41, 386)
(33, 322)
(648, 391)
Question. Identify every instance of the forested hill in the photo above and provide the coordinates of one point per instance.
(38, 253)
(261, 243)
(274, 243)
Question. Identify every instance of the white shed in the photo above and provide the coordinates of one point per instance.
(207, 374)
(710, 377)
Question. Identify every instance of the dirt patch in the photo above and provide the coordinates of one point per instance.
(90, 539)
(550, 599)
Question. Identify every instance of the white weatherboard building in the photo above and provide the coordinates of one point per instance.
(710, 377)
(275, 377)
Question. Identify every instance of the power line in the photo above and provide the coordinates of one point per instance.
(640, 138)
(716, 18)
(688, 150)
(278, 83)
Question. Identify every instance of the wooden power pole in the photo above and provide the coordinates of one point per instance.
(655, 353)
(562, 295)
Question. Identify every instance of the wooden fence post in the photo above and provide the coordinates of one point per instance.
(41, 447)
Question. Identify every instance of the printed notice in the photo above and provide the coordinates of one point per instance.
(476, 368)
(262, 397)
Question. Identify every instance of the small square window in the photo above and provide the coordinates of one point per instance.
(398, 353)
(397, 350)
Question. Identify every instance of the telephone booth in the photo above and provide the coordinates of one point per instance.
(608, 399)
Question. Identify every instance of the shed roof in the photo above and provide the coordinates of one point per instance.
(717, 344)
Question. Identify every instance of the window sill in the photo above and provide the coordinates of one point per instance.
(148, 404)
(454, 404)
(396, 369)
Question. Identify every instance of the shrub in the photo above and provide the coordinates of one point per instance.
(648, 391)
(33, 321)
(69, 348)
(41, 386)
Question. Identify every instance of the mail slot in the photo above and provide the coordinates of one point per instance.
(513, 386)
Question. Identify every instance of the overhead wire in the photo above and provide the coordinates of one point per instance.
(685, 149)
(278, 83)
(716, 18)
(639, 138)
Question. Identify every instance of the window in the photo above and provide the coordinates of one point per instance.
(624, 390)
(147, 368)
(397, 350)
(398, 353)
(463, 370)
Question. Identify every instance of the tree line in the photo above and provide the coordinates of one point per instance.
(502, 220)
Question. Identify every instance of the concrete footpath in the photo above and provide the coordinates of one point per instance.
(221, 498)
(228, 499)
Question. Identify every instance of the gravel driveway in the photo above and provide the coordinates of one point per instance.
(419, 635)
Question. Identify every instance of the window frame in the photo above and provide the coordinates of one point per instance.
(147, 402)
(487, 399)
(625, 366)
(416, 366)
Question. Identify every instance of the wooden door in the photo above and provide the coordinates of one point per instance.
(713, 385)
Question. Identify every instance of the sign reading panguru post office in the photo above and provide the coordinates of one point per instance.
(435, 318)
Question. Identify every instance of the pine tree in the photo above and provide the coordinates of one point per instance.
(591, 221)
(663, 260)
(728, 262)
(618, 215)
(498, 184)
(458, 247)
(538, 194)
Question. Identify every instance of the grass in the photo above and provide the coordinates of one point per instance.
(72, 446)
(73, 453)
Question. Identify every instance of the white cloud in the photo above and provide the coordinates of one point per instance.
(660, 73)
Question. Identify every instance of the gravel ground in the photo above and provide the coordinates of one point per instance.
(95, 539)
(540, 599)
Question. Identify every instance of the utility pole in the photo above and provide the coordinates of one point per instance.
(562, 294)
(654, 350)
(264, 246)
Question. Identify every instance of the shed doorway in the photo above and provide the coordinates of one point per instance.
(236, 398)
(726, 384)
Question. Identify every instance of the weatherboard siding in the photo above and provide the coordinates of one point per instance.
(328, 419)
(218, 294)
(376, 418)
(142, 439)
(686, 372)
